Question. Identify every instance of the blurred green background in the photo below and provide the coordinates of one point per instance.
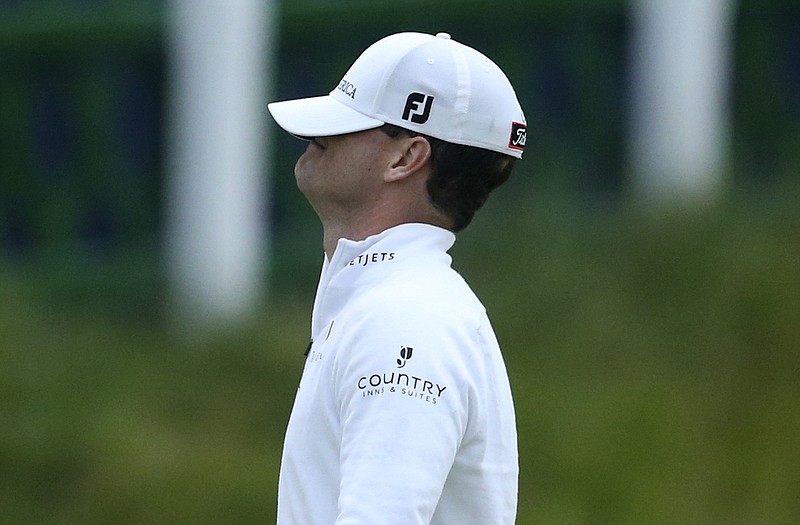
(654, 356)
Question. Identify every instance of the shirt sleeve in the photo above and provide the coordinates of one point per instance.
(402, 385)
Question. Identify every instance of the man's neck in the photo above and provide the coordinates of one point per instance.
(360, 230)
(332, 234)
(356, 224)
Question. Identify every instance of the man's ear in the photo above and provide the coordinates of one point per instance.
(412, 155)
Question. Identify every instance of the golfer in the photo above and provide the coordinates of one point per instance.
(404, 412)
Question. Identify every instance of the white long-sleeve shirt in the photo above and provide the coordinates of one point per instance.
(404, 412)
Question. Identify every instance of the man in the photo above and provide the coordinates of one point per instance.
(404, 412)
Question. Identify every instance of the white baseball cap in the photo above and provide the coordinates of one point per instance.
(429, 84)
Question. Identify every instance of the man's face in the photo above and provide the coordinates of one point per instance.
(343, 171)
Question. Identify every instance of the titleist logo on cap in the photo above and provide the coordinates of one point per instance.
(519, 133)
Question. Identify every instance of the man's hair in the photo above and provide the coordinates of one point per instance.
(462, 177)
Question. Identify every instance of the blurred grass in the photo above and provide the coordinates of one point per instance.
(110, 422)
(653, 356)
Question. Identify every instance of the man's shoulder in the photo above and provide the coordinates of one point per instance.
(438, 298)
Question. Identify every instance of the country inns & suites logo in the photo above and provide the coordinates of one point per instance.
(406, 384)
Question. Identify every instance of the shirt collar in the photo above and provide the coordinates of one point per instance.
(354, 261)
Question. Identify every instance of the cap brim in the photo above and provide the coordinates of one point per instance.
(319, 117)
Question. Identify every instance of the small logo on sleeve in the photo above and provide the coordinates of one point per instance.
(401, 383)
(519, 133)
(405, 355)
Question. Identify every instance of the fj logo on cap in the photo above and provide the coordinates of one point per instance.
(518, 135)
(418, 108)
